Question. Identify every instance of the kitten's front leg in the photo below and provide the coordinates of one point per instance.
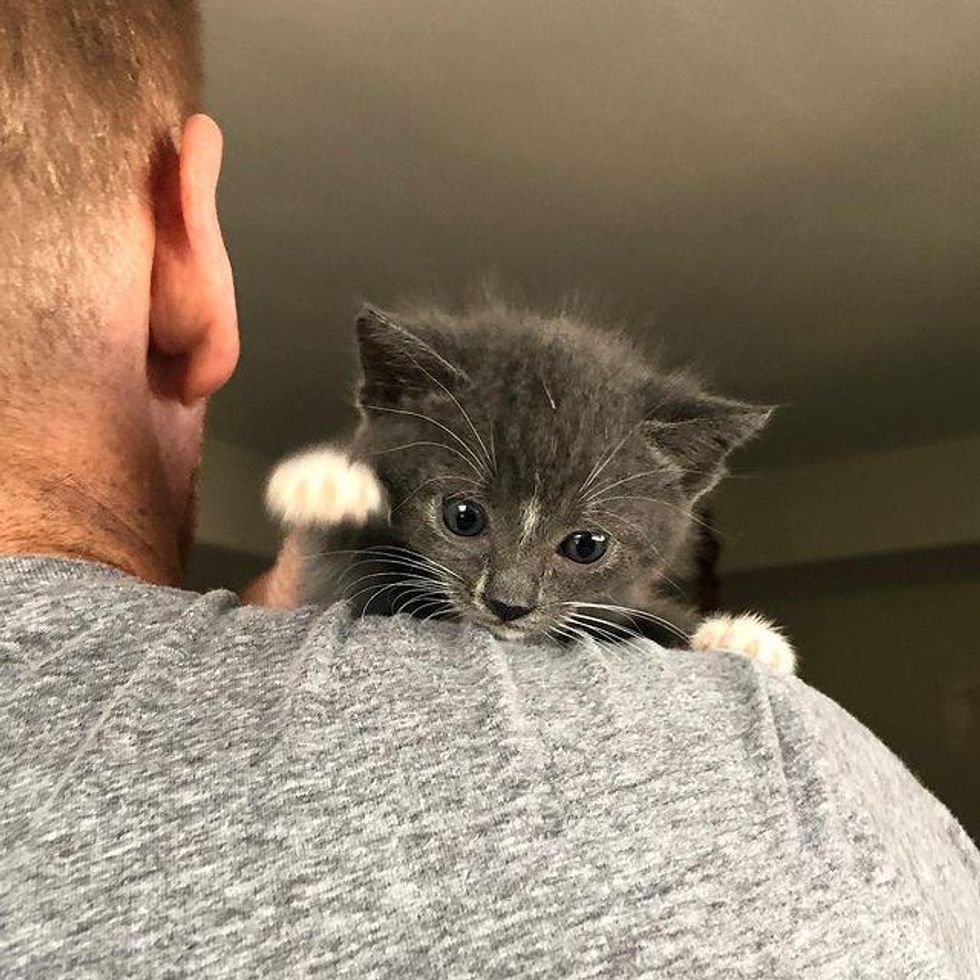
(749, 635)
(314, 493)
(279, 587)
(322, 488)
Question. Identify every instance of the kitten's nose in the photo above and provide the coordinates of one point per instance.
(505, 611)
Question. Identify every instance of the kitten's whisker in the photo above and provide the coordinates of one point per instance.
(622, 519)
(434, 479)
(376, 592)
(490, 460)
(581, 635)
(626, 479)
(375, 554)
(564, 636)
(571, 630)
(606, 632)
(632, 613)
(477, 463)
(392, 565)
(565, 632)
(321, 553)
(610, 632)
(367, 605)
(365, 610)
(633, 525)
(406, 561)
(641, 532)
(409, 589)
(627, 611)
(586, 635)
(449, 610)
(548, 395)
(687, 512)
(379, 552)
(393, 574)
(439, 445)
(575, 633)
(414, 583)
(427, 597)
(603, 463)
(365, 557)
(430, 562)
(493, 447)
(552, 634)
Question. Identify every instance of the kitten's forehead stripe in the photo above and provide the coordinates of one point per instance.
(532, 514)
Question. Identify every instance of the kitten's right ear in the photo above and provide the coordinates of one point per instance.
(698, 431)
(397, 364)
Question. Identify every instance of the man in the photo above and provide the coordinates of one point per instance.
(191, 787)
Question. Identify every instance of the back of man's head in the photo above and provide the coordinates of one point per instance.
(117, 304)
(93, 94)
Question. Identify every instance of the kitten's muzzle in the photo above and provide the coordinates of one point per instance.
(504, 611)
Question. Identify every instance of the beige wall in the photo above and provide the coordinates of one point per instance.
(232, 516)
(876, 503)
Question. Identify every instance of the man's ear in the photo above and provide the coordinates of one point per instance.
(193, 317)
(397, 364)
(698, 431)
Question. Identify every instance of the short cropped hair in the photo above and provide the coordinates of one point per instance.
(93, 94)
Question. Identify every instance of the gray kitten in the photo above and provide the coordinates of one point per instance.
(529, 474)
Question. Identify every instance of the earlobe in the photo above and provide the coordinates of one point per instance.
(193, 317)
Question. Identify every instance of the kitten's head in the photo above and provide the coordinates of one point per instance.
(543, 466)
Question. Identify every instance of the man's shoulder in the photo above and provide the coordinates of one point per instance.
(633, 787)
(47, 597)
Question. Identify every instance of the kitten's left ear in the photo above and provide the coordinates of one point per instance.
(698, 431)
(397, 363)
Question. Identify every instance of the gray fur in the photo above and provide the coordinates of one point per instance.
(515, 409)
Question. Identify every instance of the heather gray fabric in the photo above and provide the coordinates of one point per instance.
(191, 788)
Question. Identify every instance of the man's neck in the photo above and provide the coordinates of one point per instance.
(72, 500)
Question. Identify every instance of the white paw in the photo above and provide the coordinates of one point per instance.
(750, 635)
(323, 487)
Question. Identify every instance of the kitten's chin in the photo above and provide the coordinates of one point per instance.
(502, 631)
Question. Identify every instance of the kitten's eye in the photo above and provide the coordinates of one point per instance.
(464, 517)
(584, 547)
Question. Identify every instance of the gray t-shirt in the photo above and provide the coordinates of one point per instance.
(188, 787)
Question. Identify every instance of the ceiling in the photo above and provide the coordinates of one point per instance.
(784, 194)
